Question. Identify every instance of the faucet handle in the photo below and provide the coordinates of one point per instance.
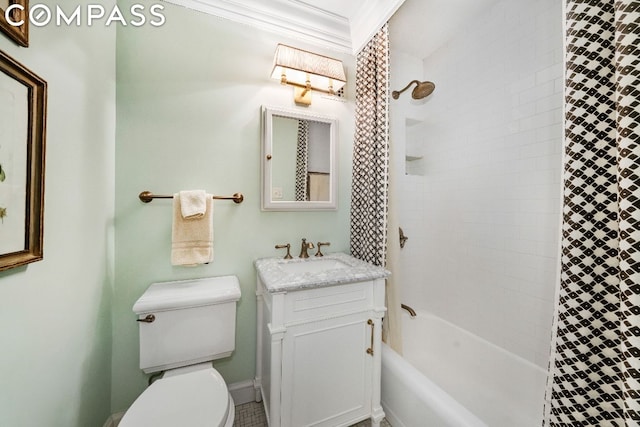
(320, 244)
(288, 246)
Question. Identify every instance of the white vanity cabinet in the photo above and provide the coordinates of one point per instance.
(318, 353)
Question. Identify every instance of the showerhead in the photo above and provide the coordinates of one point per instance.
(422, 90)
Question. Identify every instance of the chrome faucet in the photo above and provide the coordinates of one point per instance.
(305, 246)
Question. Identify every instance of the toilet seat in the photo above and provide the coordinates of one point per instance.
(195, 398)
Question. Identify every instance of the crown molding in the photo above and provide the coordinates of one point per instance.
(371, 16)
(288, 17)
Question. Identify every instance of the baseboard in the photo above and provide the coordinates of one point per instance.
(243, 392)
(114, 420)
(391, 417)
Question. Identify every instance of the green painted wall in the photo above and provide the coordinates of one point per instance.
(55, 315)
(188, 116)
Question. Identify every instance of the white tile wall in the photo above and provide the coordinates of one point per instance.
(483, 220)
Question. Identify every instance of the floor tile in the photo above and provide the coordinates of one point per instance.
(252, 415)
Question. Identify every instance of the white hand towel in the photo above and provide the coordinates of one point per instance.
(192, 239)
(193, 203)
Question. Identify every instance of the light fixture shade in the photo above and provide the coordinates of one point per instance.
(296, 66)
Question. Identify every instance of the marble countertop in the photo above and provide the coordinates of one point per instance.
(276, 279)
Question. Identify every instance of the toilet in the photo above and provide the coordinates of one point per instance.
(184, 325)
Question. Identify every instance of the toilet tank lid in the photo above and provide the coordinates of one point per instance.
(163, 296)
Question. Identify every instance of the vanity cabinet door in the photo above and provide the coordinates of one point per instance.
(327, 372)
(313, 367)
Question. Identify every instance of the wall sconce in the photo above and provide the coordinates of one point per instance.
(307, 71)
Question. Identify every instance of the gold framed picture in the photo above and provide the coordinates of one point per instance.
(16, 14)
(23, 97)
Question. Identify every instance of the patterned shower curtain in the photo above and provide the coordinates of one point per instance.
(302, 160)
(371, 151)
(594, 370)
(374, 236)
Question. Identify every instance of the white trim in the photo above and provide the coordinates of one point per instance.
(369, 19)
(242, 392)
(302, 21)
(113, 420)
(291, 18)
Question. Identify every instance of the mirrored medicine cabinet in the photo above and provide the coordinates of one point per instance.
(299, 162)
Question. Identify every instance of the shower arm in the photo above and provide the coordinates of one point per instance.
(396, 93)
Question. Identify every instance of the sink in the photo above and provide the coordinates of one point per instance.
(312, 266)
(286, 275)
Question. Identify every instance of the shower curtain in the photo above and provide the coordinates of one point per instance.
(302, 160)
(370, 175)
(594, 369)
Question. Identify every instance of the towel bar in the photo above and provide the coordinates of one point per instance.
(147, 196)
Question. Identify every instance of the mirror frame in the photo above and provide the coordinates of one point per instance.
(267, 150)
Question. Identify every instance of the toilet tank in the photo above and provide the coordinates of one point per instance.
(188, 322)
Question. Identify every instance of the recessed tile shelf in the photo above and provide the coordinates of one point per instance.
(414, 131)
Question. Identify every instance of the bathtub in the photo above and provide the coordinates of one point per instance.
(449, 377)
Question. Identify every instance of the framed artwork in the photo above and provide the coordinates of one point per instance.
(19, 34)
(23, 97)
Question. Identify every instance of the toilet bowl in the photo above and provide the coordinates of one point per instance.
(195, 396)
(184, 325)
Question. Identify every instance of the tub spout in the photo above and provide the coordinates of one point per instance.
(411, 311)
